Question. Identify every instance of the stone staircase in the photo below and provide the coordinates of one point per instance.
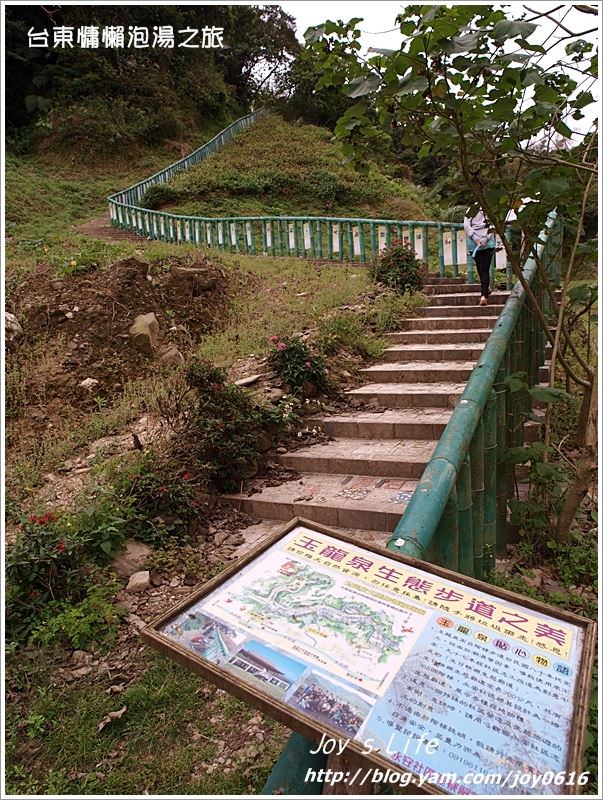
(362, 479)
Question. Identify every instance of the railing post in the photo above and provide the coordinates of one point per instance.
(455, 251)
(490, 481)
(446, 539)
(476, 455)
(465, 519)
(501, 466)
(441, 249)
(426, 246)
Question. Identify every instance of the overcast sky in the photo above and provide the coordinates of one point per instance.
(379, 20)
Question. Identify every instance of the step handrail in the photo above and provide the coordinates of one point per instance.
(456, 516)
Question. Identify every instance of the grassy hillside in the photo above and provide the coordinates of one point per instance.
(277, 167)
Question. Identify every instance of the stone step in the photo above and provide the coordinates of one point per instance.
(451, 288)
(460, 311)
(419, 371)
(429, 337)
(398, 423)
(390, 458)
(434, 352)
(467, 299)
(410, 395)
(347, 501)
(437, 280)
(427, 323)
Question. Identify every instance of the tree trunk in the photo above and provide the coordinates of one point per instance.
(586, 466)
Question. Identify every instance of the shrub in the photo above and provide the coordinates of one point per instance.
(399, 268)
(296, 365)
(158, 196)
(93, 620)
(52, 558)
(162, 498)
(225, 441)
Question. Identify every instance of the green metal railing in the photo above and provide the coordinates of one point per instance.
(440, 245)
(457, 515)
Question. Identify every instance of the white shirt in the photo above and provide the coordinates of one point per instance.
(476, 227)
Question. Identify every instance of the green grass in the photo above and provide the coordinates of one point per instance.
(280, 168)
(153, 747)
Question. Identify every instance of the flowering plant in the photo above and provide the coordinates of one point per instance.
(399, 268)
(293, 361)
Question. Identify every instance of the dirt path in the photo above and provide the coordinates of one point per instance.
(100, 228)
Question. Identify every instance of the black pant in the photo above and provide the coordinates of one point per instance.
(483, 259)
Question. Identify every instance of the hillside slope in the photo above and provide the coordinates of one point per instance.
(279, 168)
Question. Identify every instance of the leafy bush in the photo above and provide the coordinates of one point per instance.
(226, 439)
(162, 498)
(158, 196)
(296, 365)
(93, 620)
(399, 268)
(576, 560)
(52, 557)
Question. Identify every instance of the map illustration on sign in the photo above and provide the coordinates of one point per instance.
(382, 652)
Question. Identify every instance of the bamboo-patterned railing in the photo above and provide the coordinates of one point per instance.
(457, 515)
(440, 245)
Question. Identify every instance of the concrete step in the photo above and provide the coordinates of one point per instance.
(467, 299)
(452, 288)
(434, 352)
(419, 372)
(347, 501)
(460, 311)
(426, 323)
(398, 423)
(437, 280)
(433, 337)
(410, 395)
(390, 458)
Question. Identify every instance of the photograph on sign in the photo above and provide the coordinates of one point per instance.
(386, 654)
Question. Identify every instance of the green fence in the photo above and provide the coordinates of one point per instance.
(440, 245)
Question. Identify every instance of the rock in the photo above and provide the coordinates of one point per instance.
(81, 657)
(172, 357)
(135, 620)
(281, 450)
(132, 559)
(220, 538)
(139, 581)
(175, 582)
(144, 332)
(248, 381)
(81, 672)
(12, 328)
(264, 441)
(273, 395)
(309, 389)
(88, 384)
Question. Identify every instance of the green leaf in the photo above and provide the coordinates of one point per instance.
(517, 455)
(363, 85)
(512, 29)
(312, 35)
(107, 547)
(548, 394)
(407, 86)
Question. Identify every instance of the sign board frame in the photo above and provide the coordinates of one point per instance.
(312, 728)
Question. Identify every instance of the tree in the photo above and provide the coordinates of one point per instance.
(468, 84)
